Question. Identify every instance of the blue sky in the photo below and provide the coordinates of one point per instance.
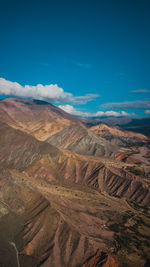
(93, 55)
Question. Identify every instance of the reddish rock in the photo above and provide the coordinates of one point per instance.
(102, 259)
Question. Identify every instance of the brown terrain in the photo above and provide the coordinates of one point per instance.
(35, 117)
(105, 130)
(71, 196)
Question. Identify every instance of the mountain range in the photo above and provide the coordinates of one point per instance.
(71, 195)
(139, 125)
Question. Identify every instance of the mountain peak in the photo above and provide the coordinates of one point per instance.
(35, 117)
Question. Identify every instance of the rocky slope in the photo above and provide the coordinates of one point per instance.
(39, 159)
(19, 150)
(79, 139)
(61, 208)
(53, 225)
(101, 140)
(118, 136)
(47, 122)
(35, 117)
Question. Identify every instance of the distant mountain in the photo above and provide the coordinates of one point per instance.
(112, 121)
(118, 136)
(138, 125)
(141, 125)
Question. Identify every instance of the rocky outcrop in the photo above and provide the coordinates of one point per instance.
(102, 259)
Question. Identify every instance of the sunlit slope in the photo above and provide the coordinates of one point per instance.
(35, 117)
(116, 135)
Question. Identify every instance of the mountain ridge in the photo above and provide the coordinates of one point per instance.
(63, 208)
(39, 120)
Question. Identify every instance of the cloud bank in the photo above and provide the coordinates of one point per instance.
(51, 93)
(70, 109)
(140, 91)
(141, 104)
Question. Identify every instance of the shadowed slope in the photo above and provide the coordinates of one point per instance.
(79, 139)
(19, 150)
(101, 141)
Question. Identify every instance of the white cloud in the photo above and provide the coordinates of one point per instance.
(140, 91)
(51, 93)
(116, 114)
(142, 104)
(147, 111)
(70, 109)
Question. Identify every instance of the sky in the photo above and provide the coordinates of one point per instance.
(89, 57)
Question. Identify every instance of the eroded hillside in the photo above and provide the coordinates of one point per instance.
(70, 200)
(37, 118)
